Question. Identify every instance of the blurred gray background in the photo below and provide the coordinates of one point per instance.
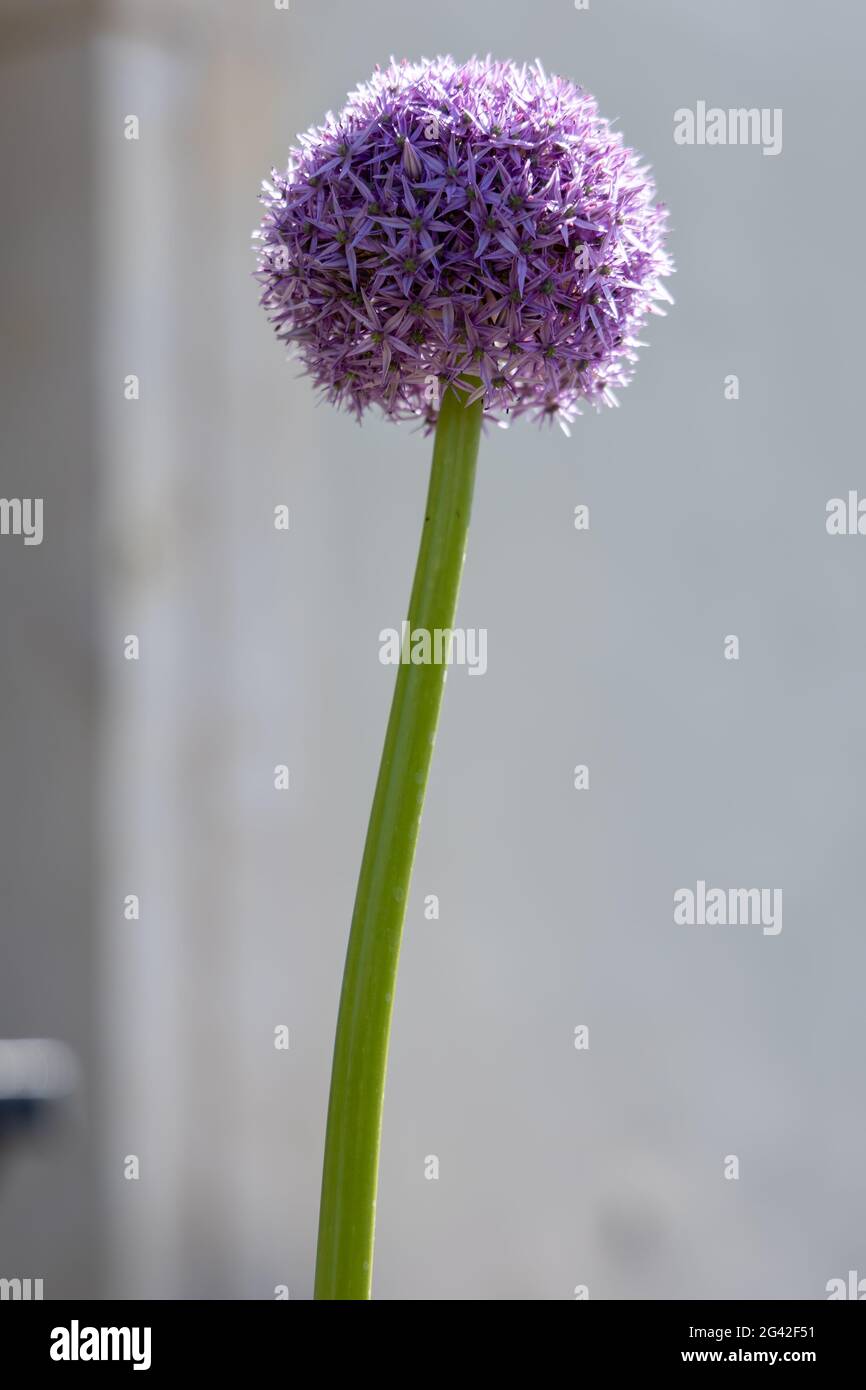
(558, 1167)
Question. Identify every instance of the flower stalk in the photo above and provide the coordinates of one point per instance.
(344, 1264)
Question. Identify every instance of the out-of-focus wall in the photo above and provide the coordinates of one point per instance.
(51, 1216)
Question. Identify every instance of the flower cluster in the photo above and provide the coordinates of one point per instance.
(476, 225)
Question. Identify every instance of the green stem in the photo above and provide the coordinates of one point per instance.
(344, 1263)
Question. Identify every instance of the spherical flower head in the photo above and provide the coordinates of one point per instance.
(473, 225)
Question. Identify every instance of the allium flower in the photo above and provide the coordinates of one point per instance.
(476, 225)
(461, 242)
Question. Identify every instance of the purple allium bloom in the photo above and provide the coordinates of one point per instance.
(478, 225)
